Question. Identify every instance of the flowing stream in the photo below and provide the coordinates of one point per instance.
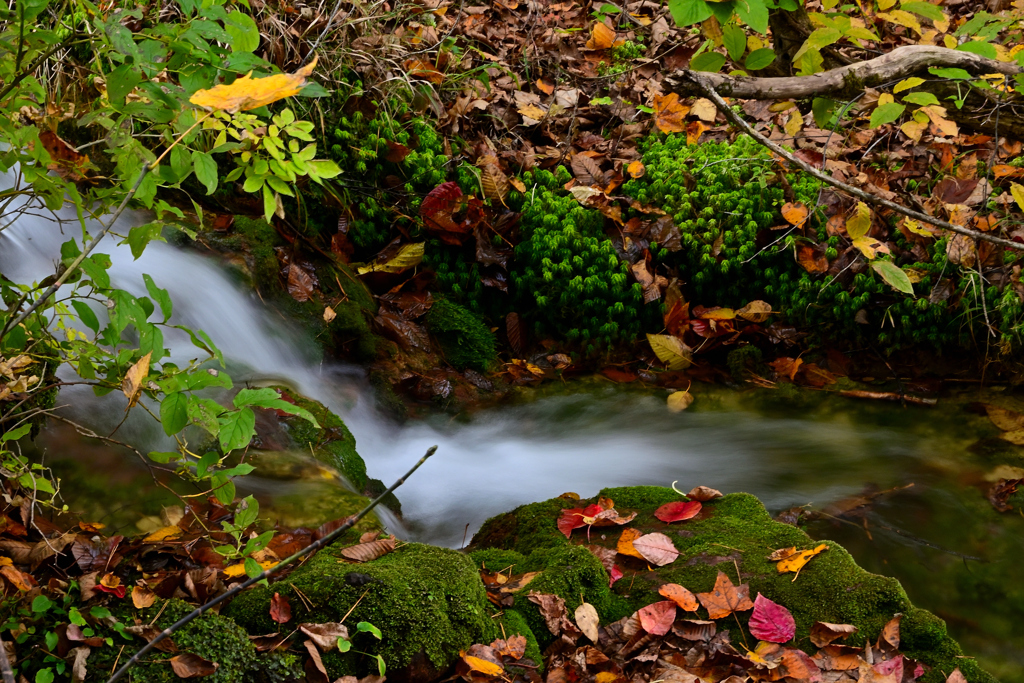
(955, 555)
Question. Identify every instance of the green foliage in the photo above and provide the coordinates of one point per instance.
(568, 280)
(466, 341)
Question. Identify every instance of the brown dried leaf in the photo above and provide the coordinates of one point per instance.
(365, 552)
(325, 635)
(188, 665)
(300, 283)
(726, 598)
(587, 171)
(133, 379)
(824, 633)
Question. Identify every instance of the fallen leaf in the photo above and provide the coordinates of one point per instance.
(678, 511)
(771, 621)
(657, 619)
(796, 561)
(824, 633)
(669, 114)
(164, 534)
(482, 666)
(365, 552)
(657, 548)
(423, 69)
(300, 283)
(545, 87)
(671, 351)
(601, 37)
(756, 311)
(726, 598)
(133, 379)
(407, 257)
(329, 314)
(704, 109)
(796, 214)
(786, 366)
(325, 635)
(142, 598)
(812, 257)
(246, 93)
(703, 493)
(891, 632)
(683, 598)
(625, 544)
(678, 401)
(280, 610)
(636, 169)
(188, 665)
(588, 620)
(694, 129)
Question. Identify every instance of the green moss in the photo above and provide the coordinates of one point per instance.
(731, 532)
(259, 238)
(466, 341)
(511, 623)
(211, 636)
(423, 599)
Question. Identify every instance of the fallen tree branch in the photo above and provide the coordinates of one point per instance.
(900, 63)
(266, 573)
(703, 84)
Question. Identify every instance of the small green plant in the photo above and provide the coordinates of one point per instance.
(345, 644)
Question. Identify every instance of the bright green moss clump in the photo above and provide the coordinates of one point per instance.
(428, 602)
(732, 531)
(568, 279)
(465, 339)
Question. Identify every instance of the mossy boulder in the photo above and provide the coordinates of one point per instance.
(428, 602)
(466, 341)
(732, 532)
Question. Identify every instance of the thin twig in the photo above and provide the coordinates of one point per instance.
(266, 573)
(702, 84)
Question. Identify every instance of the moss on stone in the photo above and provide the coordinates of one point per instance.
(511, 623)
(466, 341)
(211, 636)
(733, 531)
(423, 599)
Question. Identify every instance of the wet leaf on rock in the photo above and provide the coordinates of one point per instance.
(771, 621)
(587, 620)
(325, 635)
(280, 609)
(657, 618)
(678, 511)
(793, 560)
(683, 598)
(365, 552)
(625, 543)
(726, 598)
(703, 493)
(824, 633)
(657, 548)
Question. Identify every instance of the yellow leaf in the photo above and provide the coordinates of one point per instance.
(704, 109)
(949, 41)
(408, 256)
(669, 113)
(885, 98)
(671, 351)
(870, 247)
(796, 562)
(906, 84)
(902, 18)
(754, 43)
(142, 598)
(941, 25)
(678, 401)
(756, 311)
(859, 224)
(942, 125)
(601, 37)
(6, 562)
(166, 533)
(482, 665)
(606, 677)
(237, 570)
(885, 4)
(625, 543)
(134, 378)
(329, 314)
(914, 129)
(915, 227)
(794, 213)
(795, 123)
(1017, 191)
(251, 93)
(531, 111)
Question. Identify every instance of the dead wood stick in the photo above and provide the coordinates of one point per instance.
(901, 62)
(198, 611)
(701, 82)
(888, 396)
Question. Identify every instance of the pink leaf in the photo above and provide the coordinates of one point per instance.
(656, 548)
(678, 511)
(892, 666)
(771, 621)
(614, 575)
(657, 618)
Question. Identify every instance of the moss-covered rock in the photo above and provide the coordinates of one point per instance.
(428, 602)
(733, 531)
(466, 341)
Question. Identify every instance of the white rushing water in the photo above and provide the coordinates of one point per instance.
(501, 458)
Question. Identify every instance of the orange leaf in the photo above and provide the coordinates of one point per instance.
(424, 70)
(251, 93)
(794, 213)
(482, 666)
(164, 534)
(601, 37)
(679, 595)
(726, 598)
(625, 545)
(693, 132)
(545, 87)
(669, 114)
(636, 169)
(142, 598)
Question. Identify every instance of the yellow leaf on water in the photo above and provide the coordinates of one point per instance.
(134, 378)
(247, 92)
(796, 561)
(164, 534)
(678, 401)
